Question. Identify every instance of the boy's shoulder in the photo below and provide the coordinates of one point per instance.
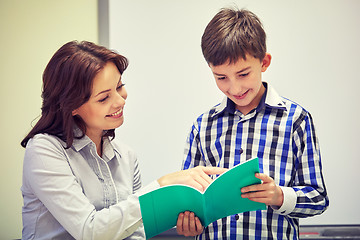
(289, 103)
(213, 111)
(276, 101)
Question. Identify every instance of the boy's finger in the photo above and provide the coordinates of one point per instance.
(192, 223)
(263, 177)
(179, 224)
(199, 226)
(186, 222)
(252, 188)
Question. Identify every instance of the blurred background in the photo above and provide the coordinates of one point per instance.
(315, 49)
(31, 32)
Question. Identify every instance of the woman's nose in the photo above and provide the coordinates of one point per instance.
(121, 97)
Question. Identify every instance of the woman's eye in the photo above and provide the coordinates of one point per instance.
(103, 99)
(220, 78)
(120, 86)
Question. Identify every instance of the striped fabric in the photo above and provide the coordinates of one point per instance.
(281, 134)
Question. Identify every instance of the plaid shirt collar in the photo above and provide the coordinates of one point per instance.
(270, 99)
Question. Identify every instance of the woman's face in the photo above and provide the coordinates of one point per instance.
(104, 109)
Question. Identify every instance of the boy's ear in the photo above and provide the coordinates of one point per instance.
(266, 62)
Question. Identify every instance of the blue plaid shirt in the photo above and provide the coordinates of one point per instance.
(281, 134)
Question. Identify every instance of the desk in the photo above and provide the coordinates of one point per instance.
(308, 232)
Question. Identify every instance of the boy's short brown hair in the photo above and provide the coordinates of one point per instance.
(232, 34)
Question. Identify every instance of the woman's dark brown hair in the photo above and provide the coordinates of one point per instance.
(232, 34)
(67, 84)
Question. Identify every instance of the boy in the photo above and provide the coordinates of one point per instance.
(254, 121)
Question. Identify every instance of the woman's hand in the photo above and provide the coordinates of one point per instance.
(197, 177)
(267, 192)
(188, 224)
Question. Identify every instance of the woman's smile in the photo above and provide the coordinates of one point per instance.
(116, 114)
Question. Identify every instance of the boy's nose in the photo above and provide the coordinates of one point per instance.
(236, 88)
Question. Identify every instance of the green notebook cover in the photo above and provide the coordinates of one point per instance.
(161, 207)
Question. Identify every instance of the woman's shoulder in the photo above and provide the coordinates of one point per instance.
(43, 142)
(42, 139)
(45, 153)
(123, 149)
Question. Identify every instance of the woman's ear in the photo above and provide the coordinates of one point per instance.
(74, 112)
(266, 62)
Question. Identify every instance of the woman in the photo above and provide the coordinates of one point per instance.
(78, 182)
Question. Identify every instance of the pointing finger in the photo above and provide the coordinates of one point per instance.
(214, 170)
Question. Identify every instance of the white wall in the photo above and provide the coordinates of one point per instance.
(31, 32)
(315, 49)
(315, 58)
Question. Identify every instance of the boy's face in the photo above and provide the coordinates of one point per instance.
(241, 81)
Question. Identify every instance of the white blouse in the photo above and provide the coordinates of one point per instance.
(76, 194)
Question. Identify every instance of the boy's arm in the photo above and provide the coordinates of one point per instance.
(307, 196)
(192, 153)
(309, 184)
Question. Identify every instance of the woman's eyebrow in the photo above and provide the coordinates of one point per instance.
(107, 90)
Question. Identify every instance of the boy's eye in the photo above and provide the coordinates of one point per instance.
(221, 78)
(244, 74)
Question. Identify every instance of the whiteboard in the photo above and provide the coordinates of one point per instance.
(315, 50)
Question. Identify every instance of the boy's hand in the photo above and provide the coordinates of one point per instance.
(188, 224)
(267, 192)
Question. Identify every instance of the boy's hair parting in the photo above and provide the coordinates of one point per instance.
(231, 34)
(67, 84)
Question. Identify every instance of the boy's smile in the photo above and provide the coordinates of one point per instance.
(241, 96)
(241, 81)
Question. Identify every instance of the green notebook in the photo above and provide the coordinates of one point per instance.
(161, 207)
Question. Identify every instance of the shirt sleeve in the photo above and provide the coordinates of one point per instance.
(49, 176)
(192, 152)
(289, 201)
(309, 185)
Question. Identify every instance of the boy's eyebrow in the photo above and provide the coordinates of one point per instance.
(242, 70)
